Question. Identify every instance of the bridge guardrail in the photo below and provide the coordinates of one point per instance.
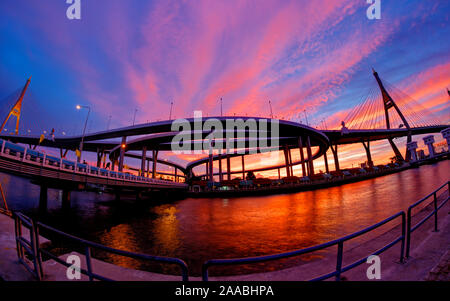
(433, 194)
(23, 154)
(33, 249)
(339, 242)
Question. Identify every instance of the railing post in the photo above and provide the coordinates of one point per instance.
(184, 273)
(38, 250)
(205, 272)
(34, 248)
(24, 154)
(17, 226)
(402, 247)
(435, 212)
(408, 232)
(88, 263)
(339, 260)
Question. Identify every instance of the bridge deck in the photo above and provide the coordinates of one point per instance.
(19, 160)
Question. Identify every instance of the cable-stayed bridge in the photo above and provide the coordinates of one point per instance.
(383, 114)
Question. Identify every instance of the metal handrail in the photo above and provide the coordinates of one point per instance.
(88, 245)
(340, 242)
(24, 246)
(434, 212)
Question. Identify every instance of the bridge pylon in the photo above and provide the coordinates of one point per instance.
(16, 109)
(388, 104)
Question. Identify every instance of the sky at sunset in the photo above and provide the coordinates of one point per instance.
(129, 59)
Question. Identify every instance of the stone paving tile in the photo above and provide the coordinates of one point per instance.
(441, 272)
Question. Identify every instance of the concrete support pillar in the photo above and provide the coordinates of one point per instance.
(310, 160)
(397, 153)
(117, 194)
(220, 168)
(302, 156)
(279, 174)
(325, 159)
(412, 148)
(176, 175)
(307, 167)
(143, 159)
(207, 170)
(104, 159)
(290, 163)
(446, 135)
(122, 152)
(286, 160)
(334, 150)
(155, 160)
(211, 162)
(429, 140)
(99, 157)
(66, 198)
(211, 167)
(228, 168)
(148, 168)
(369, 155)
(243, 168)
(43, 198)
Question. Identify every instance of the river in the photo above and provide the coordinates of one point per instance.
(199, 229)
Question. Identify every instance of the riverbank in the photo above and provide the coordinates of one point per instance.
(311, 185)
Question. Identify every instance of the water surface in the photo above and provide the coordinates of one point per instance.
(200, 229)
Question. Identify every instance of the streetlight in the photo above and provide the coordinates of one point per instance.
(84, 129)
(170, 114)
(271, 112)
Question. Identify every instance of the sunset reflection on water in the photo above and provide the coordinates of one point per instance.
(196, 230)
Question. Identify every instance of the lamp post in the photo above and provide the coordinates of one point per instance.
(84, 129)
(271, 112)
(170, 114)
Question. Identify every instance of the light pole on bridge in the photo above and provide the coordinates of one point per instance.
(134, 117)
(79, 107)
(306, 117)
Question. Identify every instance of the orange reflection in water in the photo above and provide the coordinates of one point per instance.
(200, 229)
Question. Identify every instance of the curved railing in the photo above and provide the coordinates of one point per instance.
(434, 213)
(34, 249)
(24, 154)
(339, 242)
